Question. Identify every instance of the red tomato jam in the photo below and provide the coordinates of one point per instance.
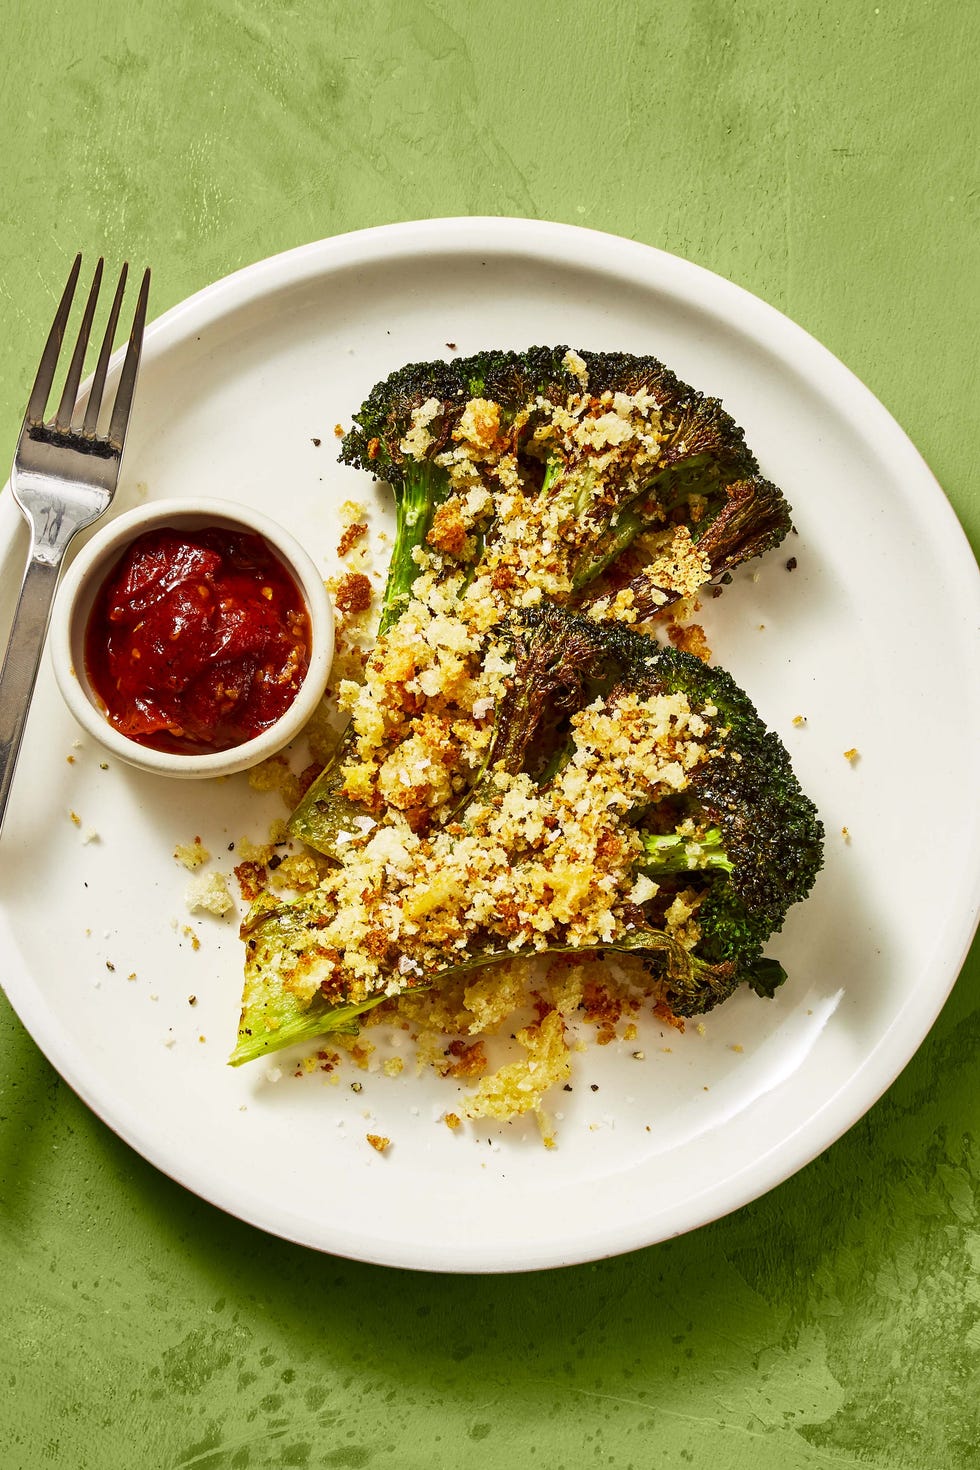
(198, 640)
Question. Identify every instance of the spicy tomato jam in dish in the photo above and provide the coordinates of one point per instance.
(198, 640)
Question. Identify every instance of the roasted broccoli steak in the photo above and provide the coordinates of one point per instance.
(622, 797)
(607, 452)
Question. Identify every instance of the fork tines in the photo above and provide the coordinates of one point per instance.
(61, 426)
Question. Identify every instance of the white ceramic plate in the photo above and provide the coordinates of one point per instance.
(872, 638)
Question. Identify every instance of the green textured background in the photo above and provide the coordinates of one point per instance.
(820, 154)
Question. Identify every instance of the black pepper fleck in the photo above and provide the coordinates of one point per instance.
(792, 564)
(594, 1086)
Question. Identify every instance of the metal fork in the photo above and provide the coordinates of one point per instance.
(64, 477)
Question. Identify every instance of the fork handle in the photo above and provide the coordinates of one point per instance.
(22, 661)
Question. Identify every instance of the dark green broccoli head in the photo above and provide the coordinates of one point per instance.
(753, 518)
(771, 832)
(703, 434)
(744, 520)
(736, 844)
(511, 379)
(697, 429)
(385, 417)
(514, 380)
(623, 372)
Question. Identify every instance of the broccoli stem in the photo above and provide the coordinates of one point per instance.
(325, 810)
(615, 541)
(673, 488)
(417, 497)
(552, 470)
(256, 1038)
(671, 853)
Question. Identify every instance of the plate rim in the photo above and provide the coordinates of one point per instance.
(776, 333)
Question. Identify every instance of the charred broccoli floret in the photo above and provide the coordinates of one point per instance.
(750, 842)
(405, 426)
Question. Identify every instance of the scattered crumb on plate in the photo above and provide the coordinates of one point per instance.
(209, 894)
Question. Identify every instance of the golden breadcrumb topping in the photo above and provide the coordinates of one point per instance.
(531, 868)
(209, 894)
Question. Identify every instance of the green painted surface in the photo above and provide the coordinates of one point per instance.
(820, 154)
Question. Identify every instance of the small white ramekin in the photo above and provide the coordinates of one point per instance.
(74, 604)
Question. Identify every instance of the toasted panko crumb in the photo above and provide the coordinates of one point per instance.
(546, 1128)
(603, 1005)
(378, 1142)
(799, 720)
(357, 1048)
(565, 986)
(690, 639)
(852, 755)
(191, 854)
(453, 1121)
(574, 364)
(466, 1061)
(354, 593)
(209, 894)
(493, 996)
(260, 852)
(275, 774)
(518, 1087)
(350, 536)
(300, 871)
(418, 438)
(448, 533)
